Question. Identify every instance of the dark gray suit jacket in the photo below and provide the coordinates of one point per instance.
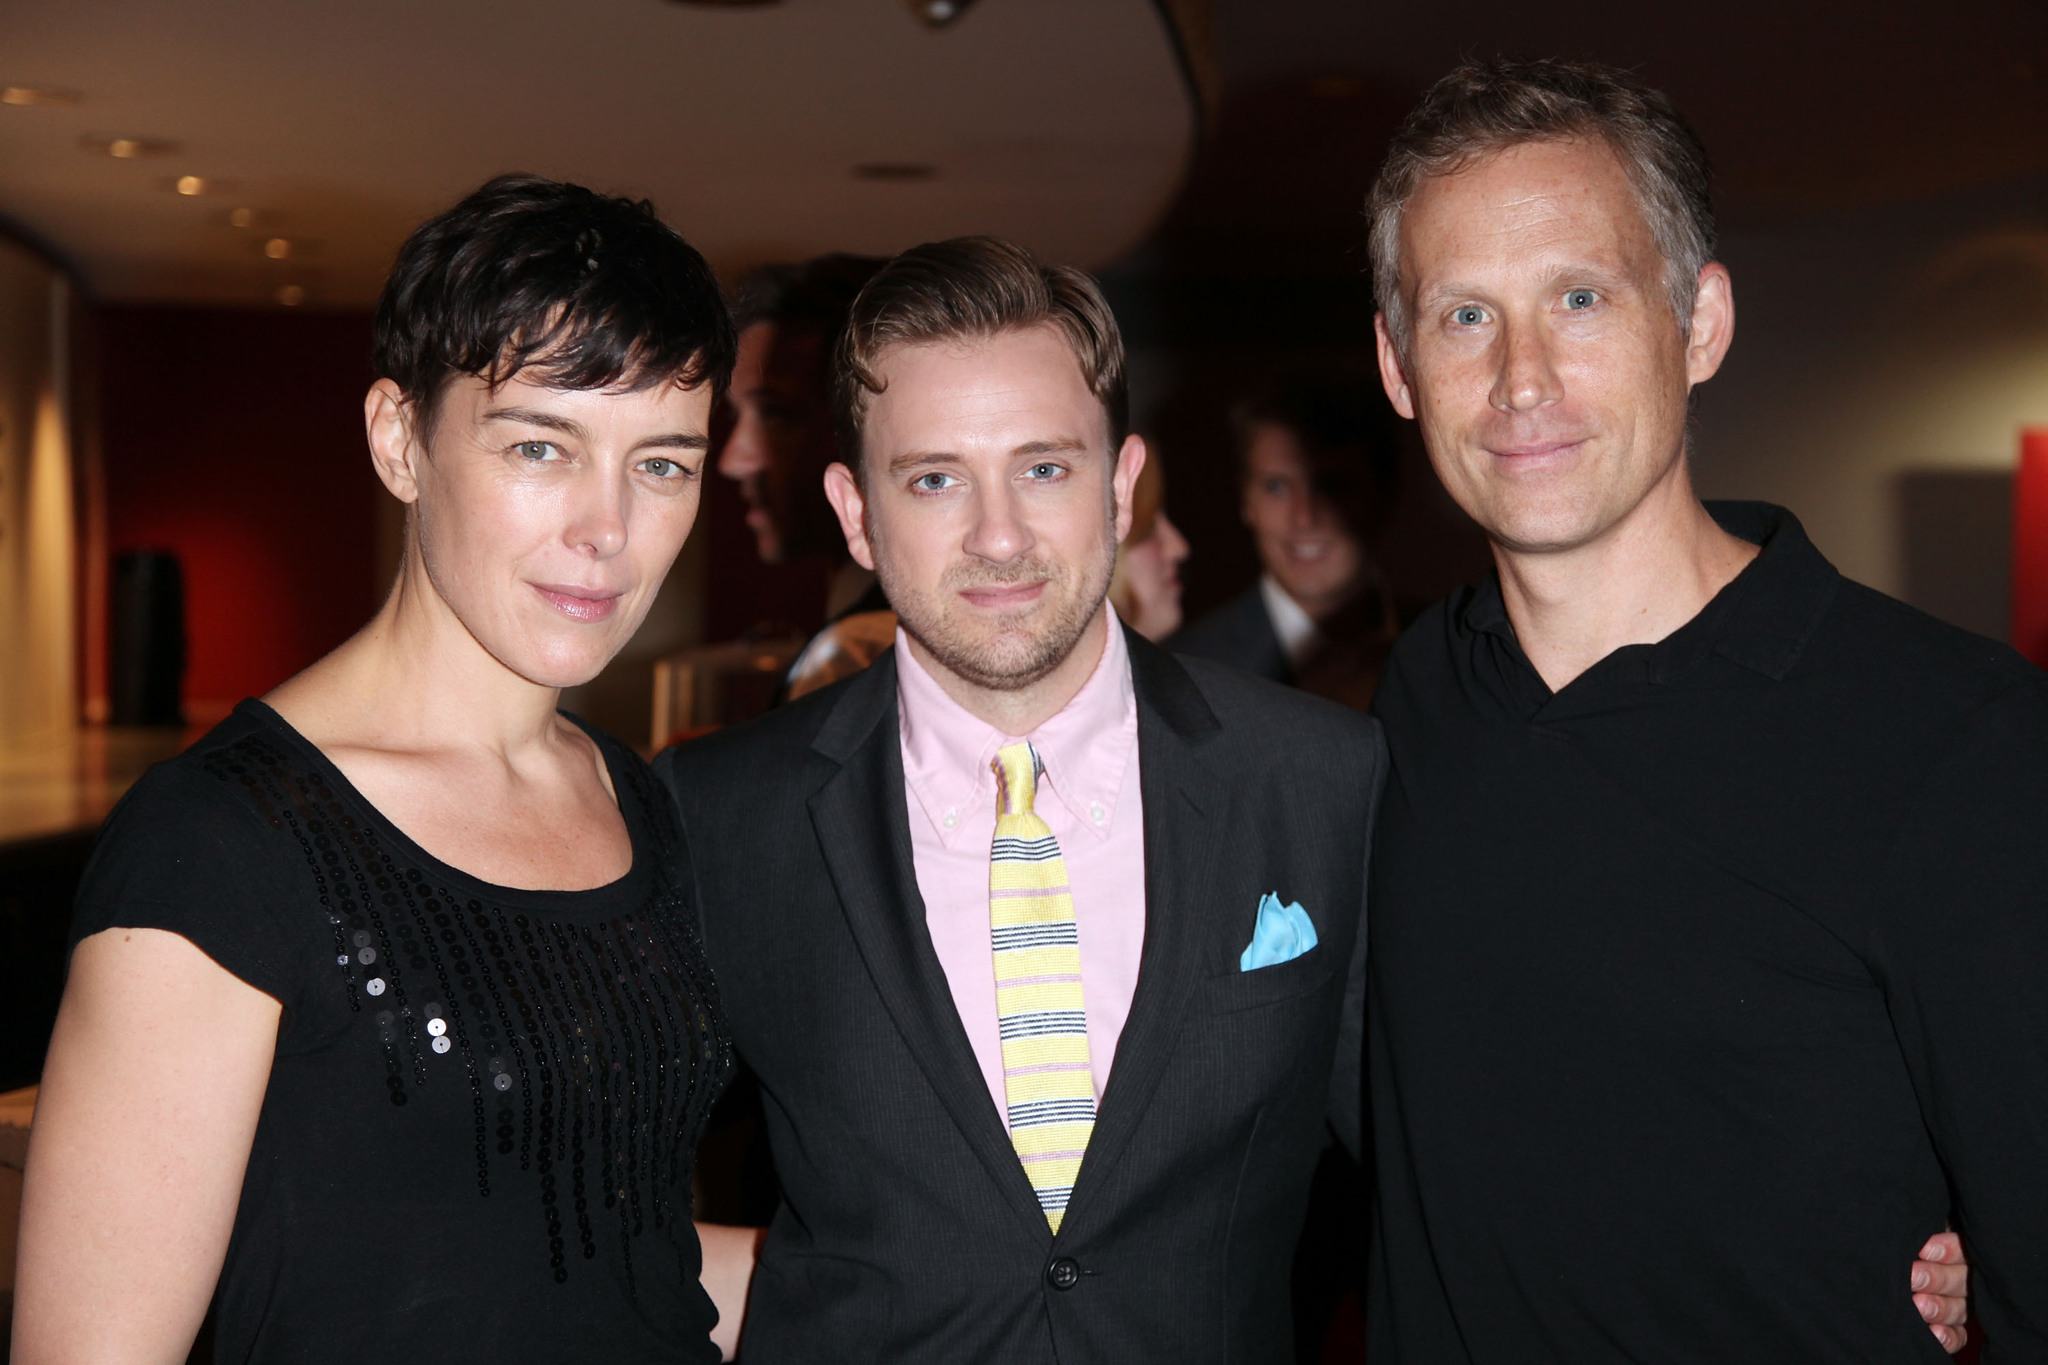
(908, 1231)
(1239, 633)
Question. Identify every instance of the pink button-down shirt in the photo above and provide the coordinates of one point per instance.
(1088, 795)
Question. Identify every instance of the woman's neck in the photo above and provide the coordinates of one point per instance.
(415, 679)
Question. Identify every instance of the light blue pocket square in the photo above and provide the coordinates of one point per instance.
(1282, 934)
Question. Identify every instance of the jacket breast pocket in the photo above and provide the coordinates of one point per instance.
(1227, 992)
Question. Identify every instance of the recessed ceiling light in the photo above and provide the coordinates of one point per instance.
(190, 185)
(241, 218)
(127, 148)
(38, 94)
(895, 170)
(277, 248)
(937, 13)
(292, 295)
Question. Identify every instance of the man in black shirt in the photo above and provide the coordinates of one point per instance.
(1710, 901)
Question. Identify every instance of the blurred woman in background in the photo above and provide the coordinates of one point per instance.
(1145, 589)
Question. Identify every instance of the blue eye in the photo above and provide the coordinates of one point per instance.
(1576, 299)
(1046, 471)
(930, 483)
(1468, 316)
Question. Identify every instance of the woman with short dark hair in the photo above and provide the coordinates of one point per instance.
(388, 1030)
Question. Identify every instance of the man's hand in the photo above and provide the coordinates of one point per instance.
(1941, 1290)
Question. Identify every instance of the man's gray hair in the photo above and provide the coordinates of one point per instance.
(1478, 110)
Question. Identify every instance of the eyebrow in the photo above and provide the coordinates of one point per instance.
(922, 459)
(534, 417)
(1052, 447)
(675, 440)
(1598, 276)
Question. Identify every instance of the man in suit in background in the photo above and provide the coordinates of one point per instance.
(1047, 1062)
(782, 439)
(1318, 465)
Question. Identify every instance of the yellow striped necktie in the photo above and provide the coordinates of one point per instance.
(1051, 1091)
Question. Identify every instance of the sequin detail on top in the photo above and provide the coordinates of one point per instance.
(585, 1050)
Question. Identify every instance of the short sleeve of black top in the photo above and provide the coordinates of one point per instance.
(1705, 989)
(477, 1139)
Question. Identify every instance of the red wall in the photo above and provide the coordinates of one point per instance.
(2030, 548)
(235, 439)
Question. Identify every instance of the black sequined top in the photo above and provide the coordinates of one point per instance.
(477, 1139)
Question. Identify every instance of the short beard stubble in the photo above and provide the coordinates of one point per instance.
(1013, 655)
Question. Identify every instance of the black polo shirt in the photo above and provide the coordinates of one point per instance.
(1704, 990)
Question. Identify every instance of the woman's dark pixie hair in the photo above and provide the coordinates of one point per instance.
(585, 290)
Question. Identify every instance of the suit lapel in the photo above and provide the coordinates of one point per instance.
(1184, 809)
(863, 829)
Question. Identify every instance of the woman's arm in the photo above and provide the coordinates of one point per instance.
(143, 1124)
(729, 1255)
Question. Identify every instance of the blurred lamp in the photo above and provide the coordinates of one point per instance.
(127, 148)
(38, 94)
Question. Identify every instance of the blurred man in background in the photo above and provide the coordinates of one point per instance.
(1319, 462)
(783, 439)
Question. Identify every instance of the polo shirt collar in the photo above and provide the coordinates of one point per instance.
(1761, 620)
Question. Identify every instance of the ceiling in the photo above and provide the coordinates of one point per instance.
(1064, 124)
(1807, 106)
(1067, 124)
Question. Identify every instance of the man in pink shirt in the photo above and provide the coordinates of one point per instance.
(1038, 939)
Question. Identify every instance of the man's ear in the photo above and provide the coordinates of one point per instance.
(1393, 371)
(395, 450)
(1130, 462)
(843, 491)
(1713, 323)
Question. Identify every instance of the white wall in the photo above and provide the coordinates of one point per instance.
(38, 613)
(1884, 363)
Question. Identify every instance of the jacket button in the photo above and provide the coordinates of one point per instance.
(1063, 1274)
